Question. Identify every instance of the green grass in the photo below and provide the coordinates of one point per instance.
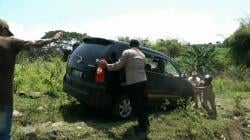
(81, 122)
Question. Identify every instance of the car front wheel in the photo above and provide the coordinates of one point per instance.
(122, 109)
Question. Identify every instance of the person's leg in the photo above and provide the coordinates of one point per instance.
(5, 122)
(213, 106)
(132, 96)
(200, 97)
(141, 103)
(195, 99)
(132, 92)
(205, 102)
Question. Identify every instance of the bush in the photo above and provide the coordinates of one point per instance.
(39, 75)
(201, 59)
(239, 44)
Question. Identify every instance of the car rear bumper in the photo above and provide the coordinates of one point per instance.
(96, 98)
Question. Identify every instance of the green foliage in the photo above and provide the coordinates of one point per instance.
(143, 42)
(241, 73)
(68, 39)
(228, 85)
(187, 124)
(201, 59)
(54, 81)
(124, 39)
(234, 80)
(57, 49)
(223, 56)
(172, 47)
(238, 104)
(39, 76)
(239, 44)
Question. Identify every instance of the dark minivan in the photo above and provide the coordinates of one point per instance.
(93, 85)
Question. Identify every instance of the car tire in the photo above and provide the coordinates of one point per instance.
(122, 108)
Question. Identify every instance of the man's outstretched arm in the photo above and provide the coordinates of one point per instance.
(44, 42)
(19, 44)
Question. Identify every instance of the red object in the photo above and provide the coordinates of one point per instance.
(100, 72)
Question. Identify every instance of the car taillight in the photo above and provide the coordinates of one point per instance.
(100, 73)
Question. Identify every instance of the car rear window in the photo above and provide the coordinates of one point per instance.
(91, 52)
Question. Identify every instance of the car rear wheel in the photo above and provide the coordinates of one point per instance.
(122, 109)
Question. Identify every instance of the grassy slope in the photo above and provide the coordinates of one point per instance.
(78, 122)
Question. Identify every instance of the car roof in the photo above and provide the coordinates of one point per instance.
(118, 43)
(121, 43)
(144, 49)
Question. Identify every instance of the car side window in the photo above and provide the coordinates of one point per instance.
(120, 49)
(116, 53)
(169, 69)
(160, 64)
(149, 63)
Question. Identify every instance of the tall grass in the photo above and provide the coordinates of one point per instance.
(47, 76)
(40, 75)
(234, 80)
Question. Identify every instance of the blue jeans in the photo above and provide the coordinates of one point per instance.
(5, 122)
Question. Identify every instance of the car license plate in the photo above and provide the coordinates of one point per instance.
(77, 73)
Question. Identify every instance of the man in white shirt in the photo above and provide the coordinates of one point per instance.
(195, 81)
(133, 60)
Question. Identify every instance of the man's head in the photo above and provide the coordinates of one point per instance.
(208, 79)
(4, 28)
(134, 43)
(194, 74)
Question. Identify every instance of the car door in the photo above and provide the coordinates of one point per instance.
(171, 80)
(155, 81)
(116, 80)
(163, 79)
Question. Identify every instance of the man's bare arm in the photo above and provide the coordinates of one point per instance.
(19, 44)
(41, 43)
(201, 87)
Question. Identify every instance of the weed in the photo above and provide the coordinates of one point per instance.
(238, 107)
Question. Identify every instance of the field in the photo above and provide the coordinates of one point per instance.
(46, 112)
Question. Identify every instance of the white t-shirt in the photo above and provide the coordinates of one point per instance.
(194, 81)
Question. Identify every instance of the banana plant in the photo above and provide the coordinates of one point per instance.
(201, 59)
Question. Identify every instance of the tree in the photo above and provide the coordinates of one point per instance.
(69, 42)
(239, 44)
(68, 39)
(144, 42)
(124, 39)
(61, 48)
(171, 47)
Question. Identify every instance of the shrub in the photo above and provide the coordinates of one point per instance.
(201, 59)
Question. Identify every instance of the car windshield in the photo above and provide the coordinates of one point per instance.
(91, 52)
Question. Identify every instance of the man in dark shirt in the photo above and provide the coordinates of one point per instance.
(9, 48)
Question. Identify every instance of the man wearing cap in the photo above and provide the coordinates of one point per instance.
(9, 48)
(195, 81)
(133, 60)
